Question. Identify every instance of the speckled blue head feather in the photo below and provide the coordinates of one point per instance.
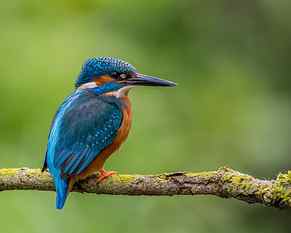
(98, 66)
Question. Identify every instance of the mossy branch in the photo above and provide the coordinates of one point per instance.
(224, 182)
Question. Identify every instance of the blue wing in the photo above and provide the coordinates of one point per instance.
(84, 125)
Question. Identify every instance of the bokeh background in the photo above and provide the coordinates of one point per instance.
(232, 106)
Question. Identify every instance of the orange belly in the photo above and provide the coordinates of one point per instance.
(122, 134)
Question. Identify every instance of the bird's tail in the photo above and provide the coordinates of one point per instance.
(62, 189)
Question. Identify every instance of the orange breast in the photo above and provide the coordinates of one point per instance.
(120, 138)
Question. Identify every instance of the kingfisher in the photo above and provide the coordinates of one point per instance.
(92, 122)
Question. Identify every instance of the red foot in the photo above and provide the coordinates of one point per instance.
(104, 174)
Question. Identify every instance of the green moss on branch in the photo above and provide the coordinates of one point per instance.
(224, 182)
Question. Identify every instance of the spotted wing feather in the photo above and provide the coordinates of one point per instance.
(82, 128)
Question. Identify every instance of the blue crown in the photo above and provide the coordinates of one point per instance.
(98, 66)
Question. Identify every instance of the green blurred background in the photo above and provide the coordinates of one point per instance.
(232, 106)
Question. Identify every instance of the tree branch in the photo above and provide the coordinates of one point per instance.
(224, 182)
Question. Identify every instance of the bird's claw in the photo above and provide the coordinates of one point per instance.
(103, 174)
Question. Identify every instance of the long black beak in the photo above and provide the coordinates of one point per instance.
(145, 80)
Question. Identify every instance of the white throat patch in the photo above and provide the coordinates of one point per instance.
(121, 92)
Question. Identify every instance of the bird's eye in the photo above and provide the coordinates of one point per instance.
(123, 76)
(114, 75)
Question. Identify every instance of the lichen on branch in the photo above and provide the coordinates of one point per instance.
(224, 182)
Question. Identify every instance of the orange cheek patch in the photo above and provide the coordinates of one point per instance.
(103, 79)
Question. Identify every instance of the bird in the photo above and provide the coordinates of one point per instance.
(92, 122)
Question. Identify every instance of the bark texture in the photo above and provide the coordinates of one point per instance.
(224, 182)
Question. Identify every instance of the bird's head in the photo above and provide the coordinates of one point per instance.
(115, 74)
